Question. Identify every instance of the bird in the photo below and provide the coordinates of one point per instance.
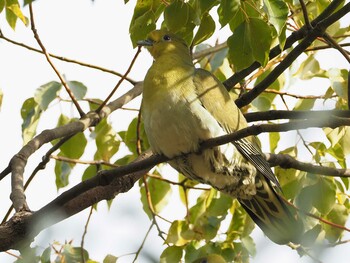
(183, 106)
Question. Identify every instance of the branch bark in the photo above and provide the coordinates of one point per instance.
(109, 183)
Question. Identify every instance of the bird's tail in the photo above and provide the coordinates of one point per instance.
(270, 212)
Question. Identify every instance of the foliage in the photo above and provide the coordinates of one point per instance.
(214, 224)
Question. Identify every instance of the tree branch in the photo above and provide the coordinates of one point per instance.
(294, 115)
(64, 83)
(18, 162)
(120, 81)
(108, 183)
(286, 161)
(294, 37)
(319, 26)
(65, 59)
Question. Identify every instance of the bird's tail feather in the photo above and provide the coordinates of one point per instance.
(270, 212)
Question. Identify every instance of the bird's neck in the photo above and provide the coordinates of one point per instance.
(174, 60)
(169, 73)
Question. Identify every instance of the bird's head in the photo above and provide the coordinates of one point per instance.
(162, 42)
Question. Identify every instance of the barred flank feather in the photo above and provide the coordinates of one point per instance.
(270, 212)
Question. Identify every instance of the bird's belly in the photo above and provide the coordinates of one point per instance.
(173, 130)
(176, 129)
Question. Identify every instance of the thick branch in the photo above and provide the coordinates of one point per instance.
(286, 161)
(294, 115)
(108, 183)
(19, 161)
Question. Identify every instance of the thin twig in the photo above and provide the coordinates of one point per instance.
(315, 217)
(84, 234)
(327, 46)
(120, 81)
(143, 242)
(69, 60)
(182, 183)
(64, 83)
(209, 51)
(334, 44)
(305, 14)
(75, 161)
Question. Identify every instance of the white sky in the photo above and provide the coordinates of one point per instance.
(98, 34)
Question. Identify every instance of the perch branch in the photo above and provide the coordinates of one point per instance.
(108, 183)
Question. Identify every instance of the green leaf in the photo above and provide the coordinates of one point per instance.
(326, 195)
(107, 141)
(339, 81)
(339, 215)
(265, 100)
(30, 113)
(159, 192)
(73, 254)
(46, 93)
(274, 139)
(174, 233)
(171, 254)
(206, 5)
(2, 5)
(277, 11)
(27, 2)
(211, 258)
(262, 103)
(220, 205)
(79, 89)
(176, 15)
(146, 13)
(249, 244)
(310, 236)
(62, 172)
(261, 38)
(110, 259)
(205, 30)
(241, 224)
(89, 172)
(130, 138)
(290, 181)
(217, 60)
(45, 256)
(94, 104)
(320, 195)
(304, 104)
(75, 146)
(227, 10)
(13, 12)
(309, 69)
(250, 42)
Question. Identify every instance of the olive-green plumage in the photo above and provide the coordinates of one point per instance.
(182, 106)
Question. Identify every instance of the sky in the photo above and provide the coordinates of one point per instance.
(97, 33)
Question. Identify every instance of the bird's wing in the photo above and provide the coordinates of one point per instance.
(252, 153)
(215, 98)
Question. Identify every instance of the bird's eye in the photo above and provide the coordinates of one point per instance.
(166, 38)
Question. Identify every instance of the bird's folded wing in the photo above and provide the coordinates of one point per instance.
(254, 155)
(216, 100)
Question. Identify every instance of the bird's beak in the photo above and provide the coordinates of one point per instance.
(147, 43)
